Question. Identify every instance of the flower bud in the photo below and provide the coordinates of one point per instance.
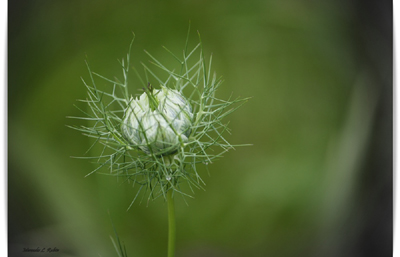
(158, 121)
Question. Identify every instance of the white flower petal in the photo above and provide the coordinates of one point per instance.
(160, 131)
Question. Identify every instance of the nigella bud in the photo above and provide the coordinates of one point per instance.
(159, 129)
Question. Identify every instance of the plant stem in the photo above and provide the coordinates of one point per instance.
(171, 224)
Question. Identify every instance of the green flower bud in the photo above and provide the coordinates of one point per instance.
(158, 122)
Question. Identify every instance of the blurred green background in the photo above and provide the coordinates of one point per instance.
(317, 180)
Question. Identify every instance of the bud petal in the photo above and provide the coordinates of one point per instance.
(159, 131)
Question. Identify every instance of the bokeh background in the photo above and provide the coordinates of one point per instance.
(317, 180)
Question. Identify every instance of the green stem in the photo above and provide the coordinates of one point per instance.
(171, 224)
